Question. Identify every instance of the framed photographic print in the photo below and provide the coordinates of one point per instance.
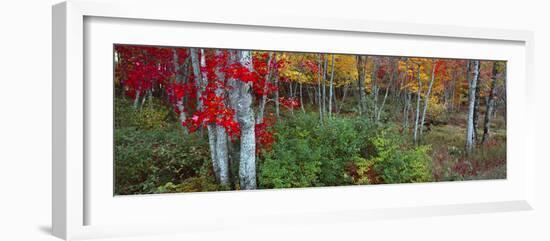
(167, 123)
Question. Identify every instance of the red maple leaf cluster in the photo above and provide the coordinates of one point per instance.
(289, 102)
(144, 68)
(440, 67)
(214, 102)
(309, 65)
(264, 135)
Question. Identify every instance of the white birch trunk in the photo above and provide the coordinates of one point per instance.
(471, 106)
(427, 98)
(418, 95)
(212, 133)
(374, 88)
(179, 102)
(490, 105)
(261, 110)
(324, 85)
(245, 115)
(392, 76)
(406, 112)
(197, 73)
(136, 99)
(233, 103)
(331, 87)
(319, 91)
(277, 111)
(222, 155)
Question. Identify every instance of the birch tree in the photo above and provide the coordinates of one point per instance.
(427, 98)
(217, 136)
(276, 80)
(471, 105)
(324, 99)
(417, 116)
(221, 135)
(319, 90)
(374, 86)
(490, 104)
(263, 101)
(388, 86)
(331, 88)
(245, 116)
(178, 79)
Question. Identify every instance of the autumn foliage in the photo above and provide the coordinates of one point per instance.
(184, 118)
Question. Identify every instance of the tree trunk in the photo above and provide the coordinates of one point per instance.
(200, 81)
(222, 156)
(374, 86)
(245, 115)
(261, 110)
(233, 103)
(416, 119)
(392, 76)
(344, 94)
(212, 135)
(145, 96)
(179, 102)
(476, 110)
(406, 112)
(197, 73)
(324, 85)
(471, 105)
(277, 111)
(361, 62)
(217, 137)
(319, 91)
(302, 99)
(136, 99)
(331, 86)
(490, 105)
(427, 99)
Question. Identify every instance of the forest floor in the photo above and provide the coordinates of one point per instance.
(449, 162)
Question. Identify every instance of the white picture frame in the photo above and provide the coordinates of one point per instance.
(75, 201)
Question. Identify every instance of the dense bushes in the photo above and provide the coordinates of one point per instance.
(395, 164)
(342, 151)
(307, 153)
(145, 160)
(153, 156)
(156, 157)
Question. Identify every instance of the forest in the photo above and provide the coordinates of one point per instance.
(203, 119)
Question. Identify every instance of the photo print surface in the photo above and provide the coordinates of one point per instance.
(204, 119)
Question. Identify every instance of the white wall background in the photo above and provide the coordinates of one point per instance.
(25, 119)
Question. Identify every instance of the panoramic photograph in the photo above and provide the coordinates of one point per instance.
(190, 119)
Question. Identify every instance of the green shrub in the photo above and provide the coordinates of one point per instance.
(294, 160)
(146, 159)
(362, 171)
(307, 153)
(395, 164)
(341, 141)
